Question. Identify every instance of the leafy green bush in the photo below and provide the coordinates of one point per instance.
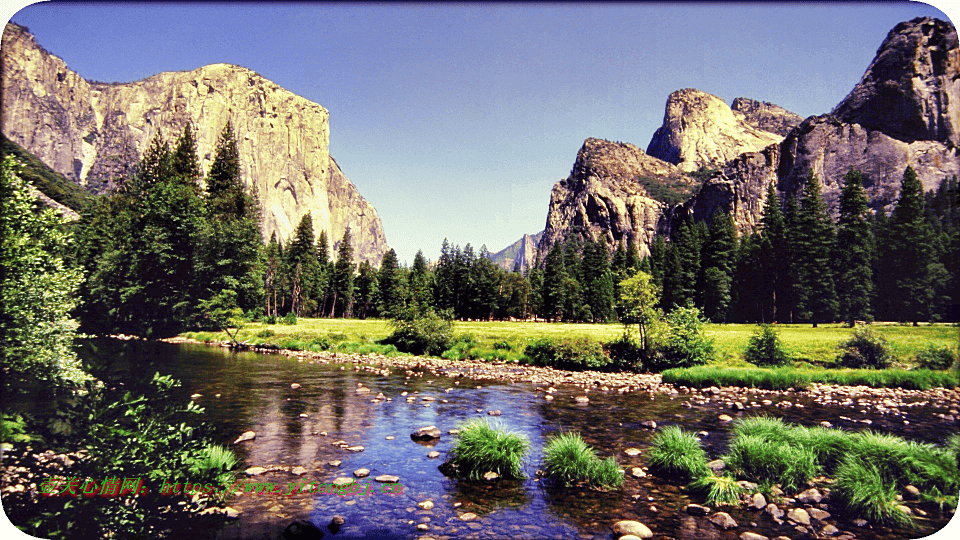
(565, 353)
(502, 345)
(865, 349)
(265, 333)
(686, 344)
(270, 319)
(765, 349)
(481, 448)
(570, 460)
(625, 353)
(289, 318)
(938, 358)
(677, 452)
(426, 333)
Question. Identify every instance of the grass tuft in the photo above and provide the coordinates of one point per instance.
(861, 490)
(677, 452)
(719, 490)
(481, 448)
(570, 460)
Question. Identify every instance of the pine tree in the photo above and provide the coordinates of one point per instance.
(717, 260)
(750, 292)
(855, 252)
(909, 254)
(342, 282)
(814, 241)
(787, 302)
(231, 263)
(324, 275)
(486, 279)
(773, 259)
(553, 291)
(390, 290)
(419, 283)
(185, 162)
(365, 290)
(271, 276)
(302, 267)
(597, 282)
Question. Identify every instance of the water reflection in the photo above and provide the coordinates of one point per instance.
(297, 426)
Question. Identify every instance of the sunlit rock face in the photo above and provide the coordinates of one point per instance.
(94, 133)
(608, 196)
(701, 131)
(766, 116)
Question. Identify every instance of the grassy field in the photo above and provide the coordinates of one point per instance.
(802, 342)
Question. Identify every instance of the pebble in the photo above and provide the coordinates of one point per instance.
(723, 520)
(361, 473)
(632, 452)
(629, 527)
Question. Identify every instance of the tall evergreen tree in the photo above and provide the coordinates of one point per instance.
(717, 261)
(814, 244)
(485, 278)
(365, 291)
(185, 161)
(597, 282)
(855, 252)
(390, 286)
(231, 264)
(553, 290)
(773, 259)
(301, 265)
(342, 282)
(419, 283)
(908, 255)
(273, 266)
(788, 302)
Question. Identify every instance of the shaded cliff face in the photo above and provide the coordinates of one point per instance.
(615, 193)
(911, 89)
(94, 133)
(701, 130)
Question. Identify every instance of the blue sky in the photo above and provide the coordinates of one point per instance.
(455, 120)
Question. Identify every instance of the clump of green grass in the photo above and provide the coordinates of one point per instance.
(786, 377)
(677, 452)
(765, 459)
(719, 490)
(570, 460)
(861, 490)
(481, 447)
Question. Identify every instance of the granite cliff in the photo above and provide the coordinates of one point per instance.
(93, 133)
(903, 112)
(521, 254)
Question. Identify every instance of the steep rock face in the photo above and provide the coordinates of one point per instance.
(701, 130)
(522, 253)
(766, 116)
(607, 196)
(912, 87)
(739, 190)
(830, 147)
(93, 133)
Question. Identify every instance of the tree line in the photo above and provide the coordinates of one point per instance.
(173, 249)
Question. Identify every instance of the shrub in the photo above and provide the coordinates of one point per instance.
(481, 448)
(265, 333)
(289, 318)
(502, 345)
(270, 319)
(625, 354)
(570, 460)
(319, 343)
(938, 358)
(686, 344)
(765, 348)
(426, 333)
(564, 353)
(865, 349)
(677, 452)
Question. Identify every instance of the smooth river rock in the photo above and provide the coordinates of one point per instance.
(635, 528)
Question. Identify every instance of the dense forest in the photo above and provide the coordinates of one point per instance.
(172, 249)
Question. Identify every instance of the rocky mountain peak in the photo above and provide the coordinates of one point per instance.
(910, 90)
(766, 116)
(700, 130)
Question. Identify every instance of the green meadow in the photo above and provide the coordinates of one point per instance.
(804, 344)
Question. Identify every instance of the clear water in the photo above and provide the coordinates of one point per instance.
(255, 394)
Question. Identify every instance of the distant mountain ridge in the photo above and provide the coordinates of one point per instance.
(521, 254)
